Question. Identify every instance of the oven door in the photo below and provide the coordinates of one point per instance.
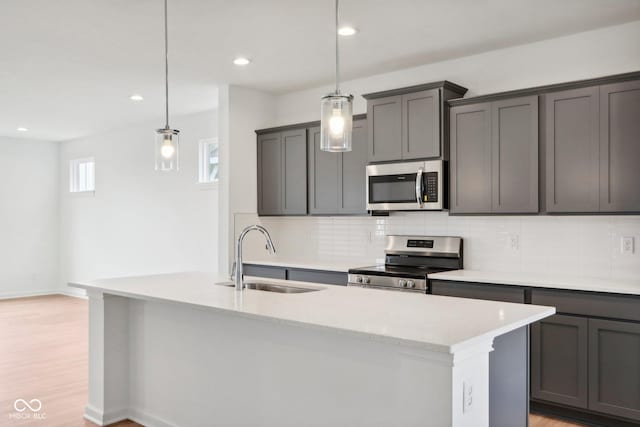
(405, 186)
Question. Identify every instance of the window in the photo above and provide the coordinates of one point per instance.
(209, 163)
(82, 175)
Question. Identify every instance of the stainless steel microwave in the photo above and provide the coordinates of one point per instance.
(406, 186)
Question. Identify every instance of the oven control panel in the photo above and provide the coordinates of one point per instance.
(387, 282)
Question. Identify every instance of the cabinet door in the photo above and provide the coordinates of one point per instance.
(294, 175)
(385, 128)
(323, 177)
(354, 173)
(572, 150)
(559, 360)
(620, 147)
(269, 174)
(515, 155)
(421, 125)
(614, 368)
(470, 177)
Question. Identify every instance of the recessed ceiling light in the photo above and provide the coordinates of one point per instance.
(347, 31)
(21, 129)
(136, 97)
(241, 61)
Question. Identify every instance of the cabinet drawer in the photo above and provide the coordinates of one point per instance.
(318, 276)
(589, 303)
(478, 291)
(270, 272)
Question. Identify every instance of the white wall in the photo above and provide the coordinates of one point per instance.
(139, 221)
(241, 111)
(28, 217)
(585, 245)
(610, 50)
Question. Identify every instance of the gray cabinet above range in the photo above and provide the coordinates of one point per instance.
(408, 123)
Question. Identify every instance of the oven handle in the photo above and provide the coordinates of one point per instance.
(419, 188)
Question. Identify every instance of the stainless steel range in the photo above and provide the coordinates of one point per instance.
(408, 262)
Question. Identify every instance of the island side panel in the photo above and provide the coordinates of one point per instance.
(108, 358)
(195, 366)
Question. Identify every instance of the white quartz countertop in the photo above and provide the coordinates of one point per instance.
(435, 323)
(631, 287)
(342, 267)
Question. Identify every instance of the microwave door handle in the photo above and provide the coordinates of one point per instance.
(419, 188)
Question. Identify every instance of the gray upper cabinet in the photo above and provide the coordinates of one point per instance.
(494, 157)
(282, 173)
(614, 368)
(385, 128)
(323, 176)
(407, 123)
(353, 178)
(559, 360)
(620, 147)
(515, 155)
(337, 180)
(294, 179)
(270, 174)
(471, 159)
(572, 150)
(421, 124)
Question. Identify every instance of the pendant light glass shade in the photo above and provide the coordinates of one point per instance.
(167, 150)
(167, 142)
(336, 111)
(336, 122)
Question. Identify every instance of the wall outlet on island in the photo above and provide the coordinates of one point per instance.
(467, 397)
(627, 245)
(514, 242)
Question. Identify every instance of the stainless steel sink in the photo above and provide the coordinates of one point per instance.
(271, 287)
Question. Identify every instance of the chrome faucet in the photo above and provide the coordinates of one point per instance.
(238, 278)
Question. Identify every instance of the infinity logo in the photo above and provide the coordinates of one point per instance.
(21, 405)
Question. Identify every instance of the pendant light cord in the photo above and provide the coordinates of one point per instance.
(337, 53)
(166, 66)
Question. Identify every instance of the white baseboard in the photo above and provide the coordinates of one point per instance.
(12, 295)
(73, 292)
(70, 292)
(97, 417)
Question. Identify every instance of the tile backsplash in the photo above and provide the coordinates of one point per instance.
(588, 246)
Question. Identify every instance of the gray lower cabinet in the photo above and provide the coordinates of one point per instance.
(559, 360)
(614, 368)
(494, 157)
(478, 291)
(282, 173)
(296, 274)
(572, 150)
(337, 180)
(620, 147)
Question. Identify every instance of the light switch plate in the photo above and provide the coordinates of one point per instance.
(627, 245)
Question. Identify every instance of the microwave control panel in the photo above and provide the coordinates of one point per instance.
(431, 187)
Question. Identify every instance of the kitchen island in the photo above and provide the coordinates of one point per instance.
(179, 350)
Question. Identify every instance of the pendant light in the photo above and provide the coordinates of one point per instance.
(167, 139)
(336, 112)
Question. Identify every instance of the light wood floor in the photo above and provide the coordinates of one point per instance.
(43, 355)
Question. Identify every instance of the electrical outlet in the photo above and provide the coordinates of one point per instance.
(467, 396)
(627, 245)
(514, 242)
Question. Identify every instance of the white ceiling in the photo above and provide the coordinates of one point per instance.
(68, 66)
